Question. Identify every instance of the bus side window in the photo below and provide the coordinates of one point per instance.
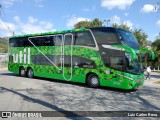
(27, 43)
(84, 39)
(12, 42)
(57, 40)
(48, 41)
(68, 39)
(116, 62)
(17, 42)
(34, 41)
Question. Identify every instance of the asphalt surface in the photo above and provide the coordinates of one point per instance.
(40, 94)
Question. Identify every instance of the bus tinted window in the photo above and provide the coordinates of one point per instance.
(116, 62)
(128, 39)
(58, 40)
(18, 42)
(37, 41)
(12, 42)
(84, 39)
(105, 36)
(42, 60)
(68, 39)
(42, 41)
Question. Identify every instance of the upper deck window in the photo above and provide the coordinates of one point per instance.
(84, 39)
(105, 36)
(37, 41)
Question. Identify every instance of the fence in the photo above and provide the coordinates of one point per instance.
(3, 60)
(3, 64)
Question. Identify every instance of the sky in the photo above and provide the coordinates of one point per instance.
(35, 16)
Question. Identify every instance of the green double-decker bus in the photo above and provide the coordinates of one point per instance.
(102, 56)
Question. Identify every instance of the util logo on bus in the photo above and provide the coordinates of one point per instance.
(22, 57)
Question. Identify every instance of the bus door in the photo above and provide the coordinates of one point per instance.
(116, 63)
(67, 56)
(113, 58)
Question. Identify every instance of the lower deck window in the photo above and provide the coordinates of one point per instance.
(116, 62)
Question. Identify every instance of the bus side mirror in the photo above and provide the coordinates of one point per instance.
(141, 50)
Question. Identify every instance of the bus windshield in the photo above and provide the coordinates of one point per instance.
(128, 39)
(133, 66)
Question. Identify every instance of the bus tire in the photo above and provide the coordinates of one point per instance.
(93, 80)
(30, 73)
(22, 72)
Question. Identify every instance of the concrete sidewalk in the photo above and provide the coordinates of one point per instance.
(155, 77)
(5, 68)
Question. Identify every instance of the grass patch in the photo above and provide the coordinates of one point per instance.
(156, 71)
(158, 82)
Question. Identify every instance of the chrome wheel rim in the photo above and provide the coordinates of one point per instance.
(94, 81)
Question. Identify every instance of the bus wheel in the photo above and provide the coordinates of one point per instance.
(22, 72)
(30, 73)
(93, 81)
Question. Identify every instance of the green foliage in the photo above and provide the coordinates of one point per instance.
(121, 26)
(82, 24)
(87, 24)
(141, 37)
(96, 23)
(156, 44)
(156, 49)
(3, 45)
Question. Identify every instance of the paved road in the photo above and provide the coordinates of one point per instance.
(23, 94)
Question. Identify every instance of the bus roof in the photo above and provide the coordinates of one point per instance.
(61, 32)
(49, 33)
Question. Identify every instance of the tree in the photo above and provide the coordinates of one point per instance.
(121, 26)
(3, 45)
(87, 24)
(156, 49)
(141, 37)
(82, 24)
(156, 44)
(96, 23)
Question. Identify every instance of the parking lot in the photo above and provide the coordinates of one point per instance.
(40, 94)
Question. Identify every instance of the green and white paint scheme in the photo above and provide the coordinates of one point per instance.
(75, 63)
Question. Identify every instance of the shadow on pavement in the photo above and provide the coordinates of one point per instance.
(8, 74)
(155, 76)
(146, 91)
(130, 95)
(46, 104)
(72, 83)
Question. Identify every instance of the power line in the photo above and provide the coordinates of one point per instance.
(4, 20)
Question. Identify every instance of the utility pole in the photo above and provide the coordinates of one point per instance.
(108, 20)
(12, 32)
